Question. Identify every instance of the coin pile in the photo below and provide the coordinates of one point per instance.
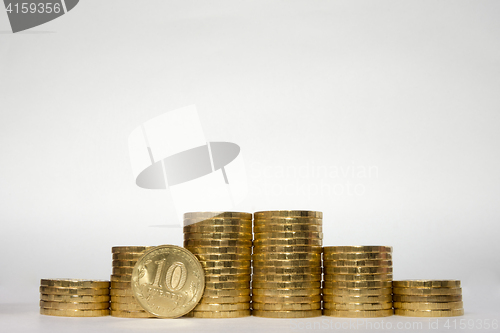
(123, 302)
(222, 242)
(286, 281)
(357, 281)
(74, 298)
(428, 298)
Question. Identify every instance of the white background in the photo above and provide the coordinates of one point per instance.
(407, 89)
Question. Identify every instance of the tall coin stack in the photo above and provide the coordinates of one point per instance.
(287, 264)
(428, 298)
(74, 298)
(123, 302)
(222, 242)
(357, 281)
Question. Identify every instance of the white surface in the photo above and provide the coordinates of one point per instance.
(383, 115)
(25, 318)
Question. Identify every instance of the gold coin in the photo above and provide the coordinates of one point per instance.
(357, 299)
(427, 299)
(74, 298)
(286, 299)
(227, 285)
(288, 220)
(287, 213)
(357, 291)
(286, 285)
(131, 314)
(226, 292)
(287, 263)
(429, 313)
(358, 270)
(74, 305)
(122, 270)
(218, 215)
(127, 256)
(289, 249)
(287, 314)
(180, 273)
(429, 306)
(286, 306)
(227, 271)
(357, 284)
(356, 277)
(286, 278)
(288, 227)
(127, 306)
(287, 256)
(216, 221)
(74, 313)
(128, 249)
(222, 307)
(358, 313)
(427, 291)
(74, 283)
(427, 284)
(218, 243)
(121, 292)
(219, 314)
(217, 228)
(74, 291)
(368, 263)
(357, 306)
(124, 299)
(288, 242)
(120, 285)
(121, 278)
(224, 299)
(220, 250)
(289, 234)
(124, 263)
(227, 278)
(217, 235)
(287, 292)
(225, 263)
(358, 256)
(314, 270)
(356, 249)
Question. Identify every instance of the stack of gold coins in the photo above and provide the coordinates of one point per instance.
(74, 298)
(286, 281)
(428, 298)
(123, 302)
(357, 281)
(222, 242)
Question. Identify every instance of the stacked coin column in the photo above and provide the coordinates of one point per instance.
(222, 242)
(286, 281)
(123, 302)
(74, 298)
(428, 298)
(357, 281)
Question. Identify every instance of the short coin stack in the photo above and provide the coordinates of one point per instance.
(74, 298)
(357, 281)
(123, 302)
(428, 298)
(286, 280)
(222, 242)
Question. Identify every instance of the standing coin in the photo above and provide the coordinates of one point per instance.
(168, 281)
